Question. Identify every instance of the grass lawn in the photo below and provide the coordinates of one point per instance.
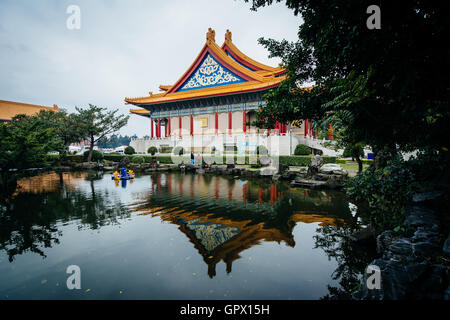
(352, 166)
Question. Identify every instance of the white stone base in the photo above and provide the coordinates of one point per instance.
(276, 144)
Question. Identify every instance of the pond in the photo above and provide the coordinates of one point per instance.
(176, 236)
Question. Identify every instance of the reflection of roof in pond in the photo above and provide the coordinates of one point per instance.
(303, 216)
(211, 235)
(218, 238)
(48, 182)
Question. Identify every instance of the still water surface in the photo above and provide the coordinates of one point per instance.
(175, 236)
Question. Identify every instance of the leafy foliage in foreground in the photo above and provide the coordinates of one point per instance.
(387, 191)
(386, 89)
(377, 87)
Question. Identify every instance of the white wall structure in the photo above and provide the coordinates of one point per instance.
(283, 144)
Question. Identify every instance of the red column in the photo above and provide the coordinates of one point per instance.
(217, 123)
(159, 128)
(306, 127)
(330, 132)
(192, 125)
(244, 113)
(179, 125)
(272, 195)
(168, 130)
(230, 123)
(151, 125)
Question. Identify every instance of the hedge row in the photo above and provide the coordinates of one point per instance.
(303, 161)
(286, 160)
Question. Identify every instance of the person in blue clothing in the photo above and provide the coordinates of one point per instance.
(192, 157)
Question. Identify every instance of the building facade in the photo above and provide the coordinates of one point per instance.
(214, 103)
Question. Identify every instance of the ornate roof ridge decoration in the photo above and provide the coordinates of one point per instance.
(165, 87)
(210, 36)
(229, 47)
(215, 73)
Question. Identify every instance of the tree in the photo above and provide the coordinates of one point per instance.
(97, 123)
(385, 88)
(67, 128)
(24, 143)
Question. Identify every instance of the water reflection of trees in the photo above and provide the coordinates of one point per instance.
(30, 221)
(352, 259)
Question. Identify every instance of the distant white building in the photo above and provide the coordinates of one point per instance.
(120, 149)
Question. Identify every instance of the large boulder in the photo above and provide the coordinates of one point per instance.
(446, 248)
(331, 168)
(316, 161)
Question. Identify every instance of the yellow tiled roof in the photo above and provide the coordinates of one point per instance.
(9, 109)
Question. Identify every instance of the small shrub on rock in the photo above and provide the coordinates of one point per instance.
(129, 150)
(302, 150)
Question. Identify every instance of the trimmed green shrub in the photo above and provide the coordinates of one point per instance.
(113, 157)
(164, 159)
(129, 150)
(152, 150)
(302, 150)
(96, 155)
(75, 158)
(137, 159)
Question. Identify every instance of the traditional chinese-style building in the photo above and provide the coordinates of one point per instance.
(214, 103)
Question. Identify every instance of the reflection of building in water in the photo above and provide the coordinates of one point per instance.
(211, 188)
(223, 217)
(219, 238)
(210, 235)
(305, 217)
(48, 182)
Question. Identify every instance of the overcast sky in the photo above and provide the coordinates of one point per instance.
(124, 48)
